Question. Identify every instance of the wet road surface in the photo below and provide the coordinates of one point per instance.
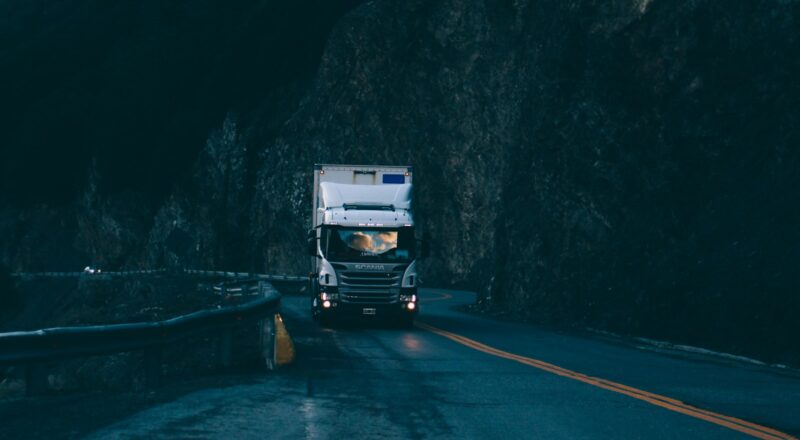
(463, 376)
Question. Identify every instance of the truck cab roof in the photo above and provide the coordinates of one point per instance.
(362, 195)
(347, 196)
(366, 205)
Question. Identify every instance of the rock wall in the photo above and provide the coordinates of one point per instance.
(629, 165)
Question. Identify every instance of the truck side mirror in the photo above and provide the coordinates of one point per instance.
(311, 242)
(312, 246)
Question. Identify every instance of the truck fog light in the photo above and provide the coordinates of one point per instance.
(326, 304)
(411, 306)
(414, 298)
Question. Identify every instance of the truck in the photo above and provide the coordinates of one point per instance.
(364, 244)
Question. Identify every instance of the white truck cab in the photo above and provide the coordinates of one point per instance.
(363, 243)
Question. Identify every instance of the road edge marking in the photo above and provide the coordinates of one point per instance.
(668, 403)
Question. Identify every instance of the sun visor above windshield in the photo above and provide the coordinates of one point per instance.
(337, 195)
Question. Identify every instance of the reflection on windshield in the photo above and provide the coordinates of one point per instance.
(374, 242)
(368, 244)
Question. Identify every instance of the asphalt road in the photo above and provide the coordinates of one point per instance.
(464, 376)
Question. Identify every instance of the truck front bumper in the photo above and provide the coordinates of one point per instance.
(368, 311)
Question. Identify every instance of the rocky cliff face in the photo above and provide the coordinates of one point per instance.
(625, 164)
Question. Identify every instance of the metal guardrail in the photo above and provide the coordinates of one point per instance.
(284, 282)
(237, 287)
(34, 348)
(106, 274)
(260, 276)
(98, 275)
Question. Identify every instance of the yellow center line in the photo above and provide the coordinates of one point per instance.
(733, 423)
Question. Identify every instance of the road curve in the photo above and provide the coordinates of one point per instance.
(463, 376)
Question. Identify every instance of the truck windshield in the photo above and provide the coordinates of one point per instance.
(368, 244)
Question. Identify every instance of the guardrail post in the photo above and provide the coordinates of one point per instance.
(152, 366)
(35, 379)
(226, 347)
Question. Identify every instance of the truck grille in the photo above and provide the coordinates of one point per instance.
(370, 287)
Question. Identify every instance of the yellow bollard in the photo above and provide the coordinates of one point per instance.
(284, 347)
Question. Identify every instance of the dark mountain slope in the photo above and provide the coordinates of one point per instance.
(627, 165)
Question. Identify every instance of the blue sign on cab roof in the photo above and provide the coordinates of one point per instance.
(394, 178)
